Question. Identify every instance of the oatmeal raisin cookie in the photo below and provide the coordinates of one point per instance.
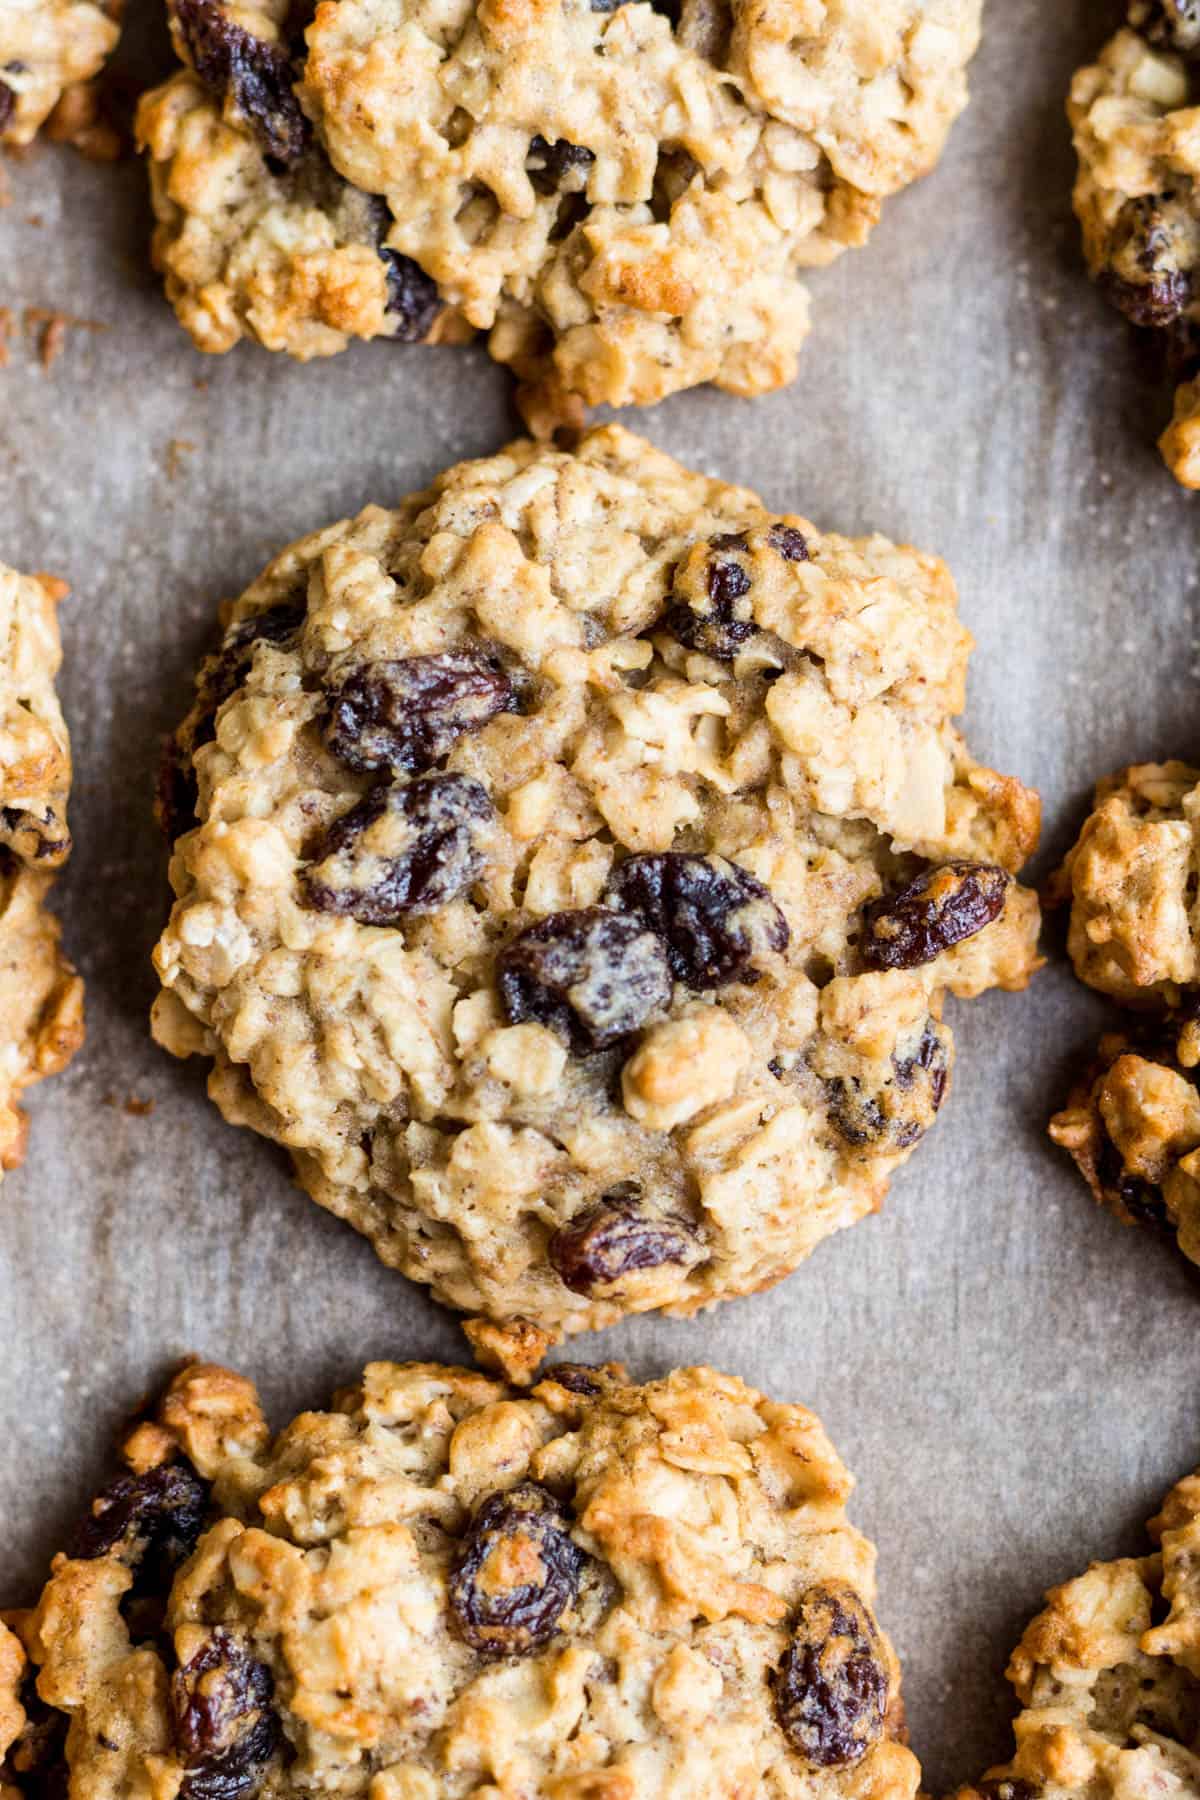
(442, 1589)
(1133, 114)
(622, 195)
(48, 48)
(571, 863)
(1108, 1677)
(41, 996)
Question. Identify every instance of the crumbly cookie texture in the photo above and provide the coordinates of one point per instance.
(571, 863)
(41, 996)
(1108, 1677)
(1137, 199)
(1132, 1122)
(622, 197)
(443, 1590)
(48, 48)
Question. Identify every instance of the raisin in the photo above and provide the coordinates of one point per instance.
(256, 75)
(559, 167)
(407, 714)
(8, 104)
(151, 1521)
(223, 673)
(1143, 1202)
(176, 792)
(226, 1727)
(616, 1238)
(1147, 278)
(831, 1689)
(516, 1574)
(403, 849)
(1168, 24)
(593, 976)
(714, 917)
(941, 908)
(413, 298)
(791, 544)
(722, 626)
(577, 1378)
(904, 1108)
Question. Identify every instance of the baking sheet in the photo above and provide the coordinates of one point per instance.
(1012, 1376)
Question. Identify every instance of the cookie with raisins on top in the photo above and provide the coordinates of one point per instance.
(1108, 1676)
(1137, 195)
(571, 864)
(443, 1588)
(1132, 1121)
(623, 195)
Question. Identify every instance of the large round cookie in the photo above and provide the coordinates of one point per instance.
(584, 853)
(623, 196)
(441, 1589)
(1108, 1677)
(47, 48)
(1132, 1122)
(1136, 195)
(41, 996)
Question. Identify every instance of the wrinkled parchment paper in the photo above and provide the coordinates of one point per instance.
(1012, 1376)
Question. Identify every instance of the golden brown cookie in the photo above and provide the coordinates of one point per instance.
(48, 49)
(443, 1589)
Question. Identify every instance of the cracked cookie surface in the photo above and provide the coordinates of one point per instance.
(443, 1588)
(583, 854)
(1108, 1677)
(41, 996)
(1136, 195)
(1132, 1121)
(622, 197)
(47, 48)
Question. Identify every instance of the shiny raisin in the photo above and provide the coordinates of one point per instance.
(405, 848)
(1130, 1194)
(791, 544)
(942, 907)
(1168, 24)
(558, 167)
(903, 1109)
(593, 976)
(516, 1574)
(1148, 278)
(413, 298)
(616, 1238)
(151, 1521)
(256, 75)
(717, 920)
(722, 625)
(226, 1727)
(831, 1688)
(408, 713)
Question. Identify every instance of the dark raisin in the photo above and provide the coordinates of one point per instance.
(256, 75)
(35, 1765)
(8, 104)
(594, 976)
(716, 920)
(1143, 1202)
(904, 1108)
(226, 1727)
(407, 714)
(403, 849)
(151, 1521)
(831, 1688)
(577, 1378)
(559, 167)
(616, 1238)
(791, 544)
(1148, 277)
(516, 1574)
(1168, 24)
(941, 908)
(720, 626)
(413, 298)
(223, 673)
(176, 793)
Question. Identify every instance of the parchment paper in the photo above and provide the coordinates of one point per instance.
(1012, 1376)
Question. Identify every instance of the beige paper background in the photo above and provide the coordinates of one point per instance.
(1012, 1376)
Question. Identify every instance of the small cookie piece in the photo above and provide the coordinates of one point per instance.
(1132, 1122)
(621, 195)
(443, 1588)
(1137, 198)
(1108, 1676)
(41, 996)
(48, 48)
(571, 864)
